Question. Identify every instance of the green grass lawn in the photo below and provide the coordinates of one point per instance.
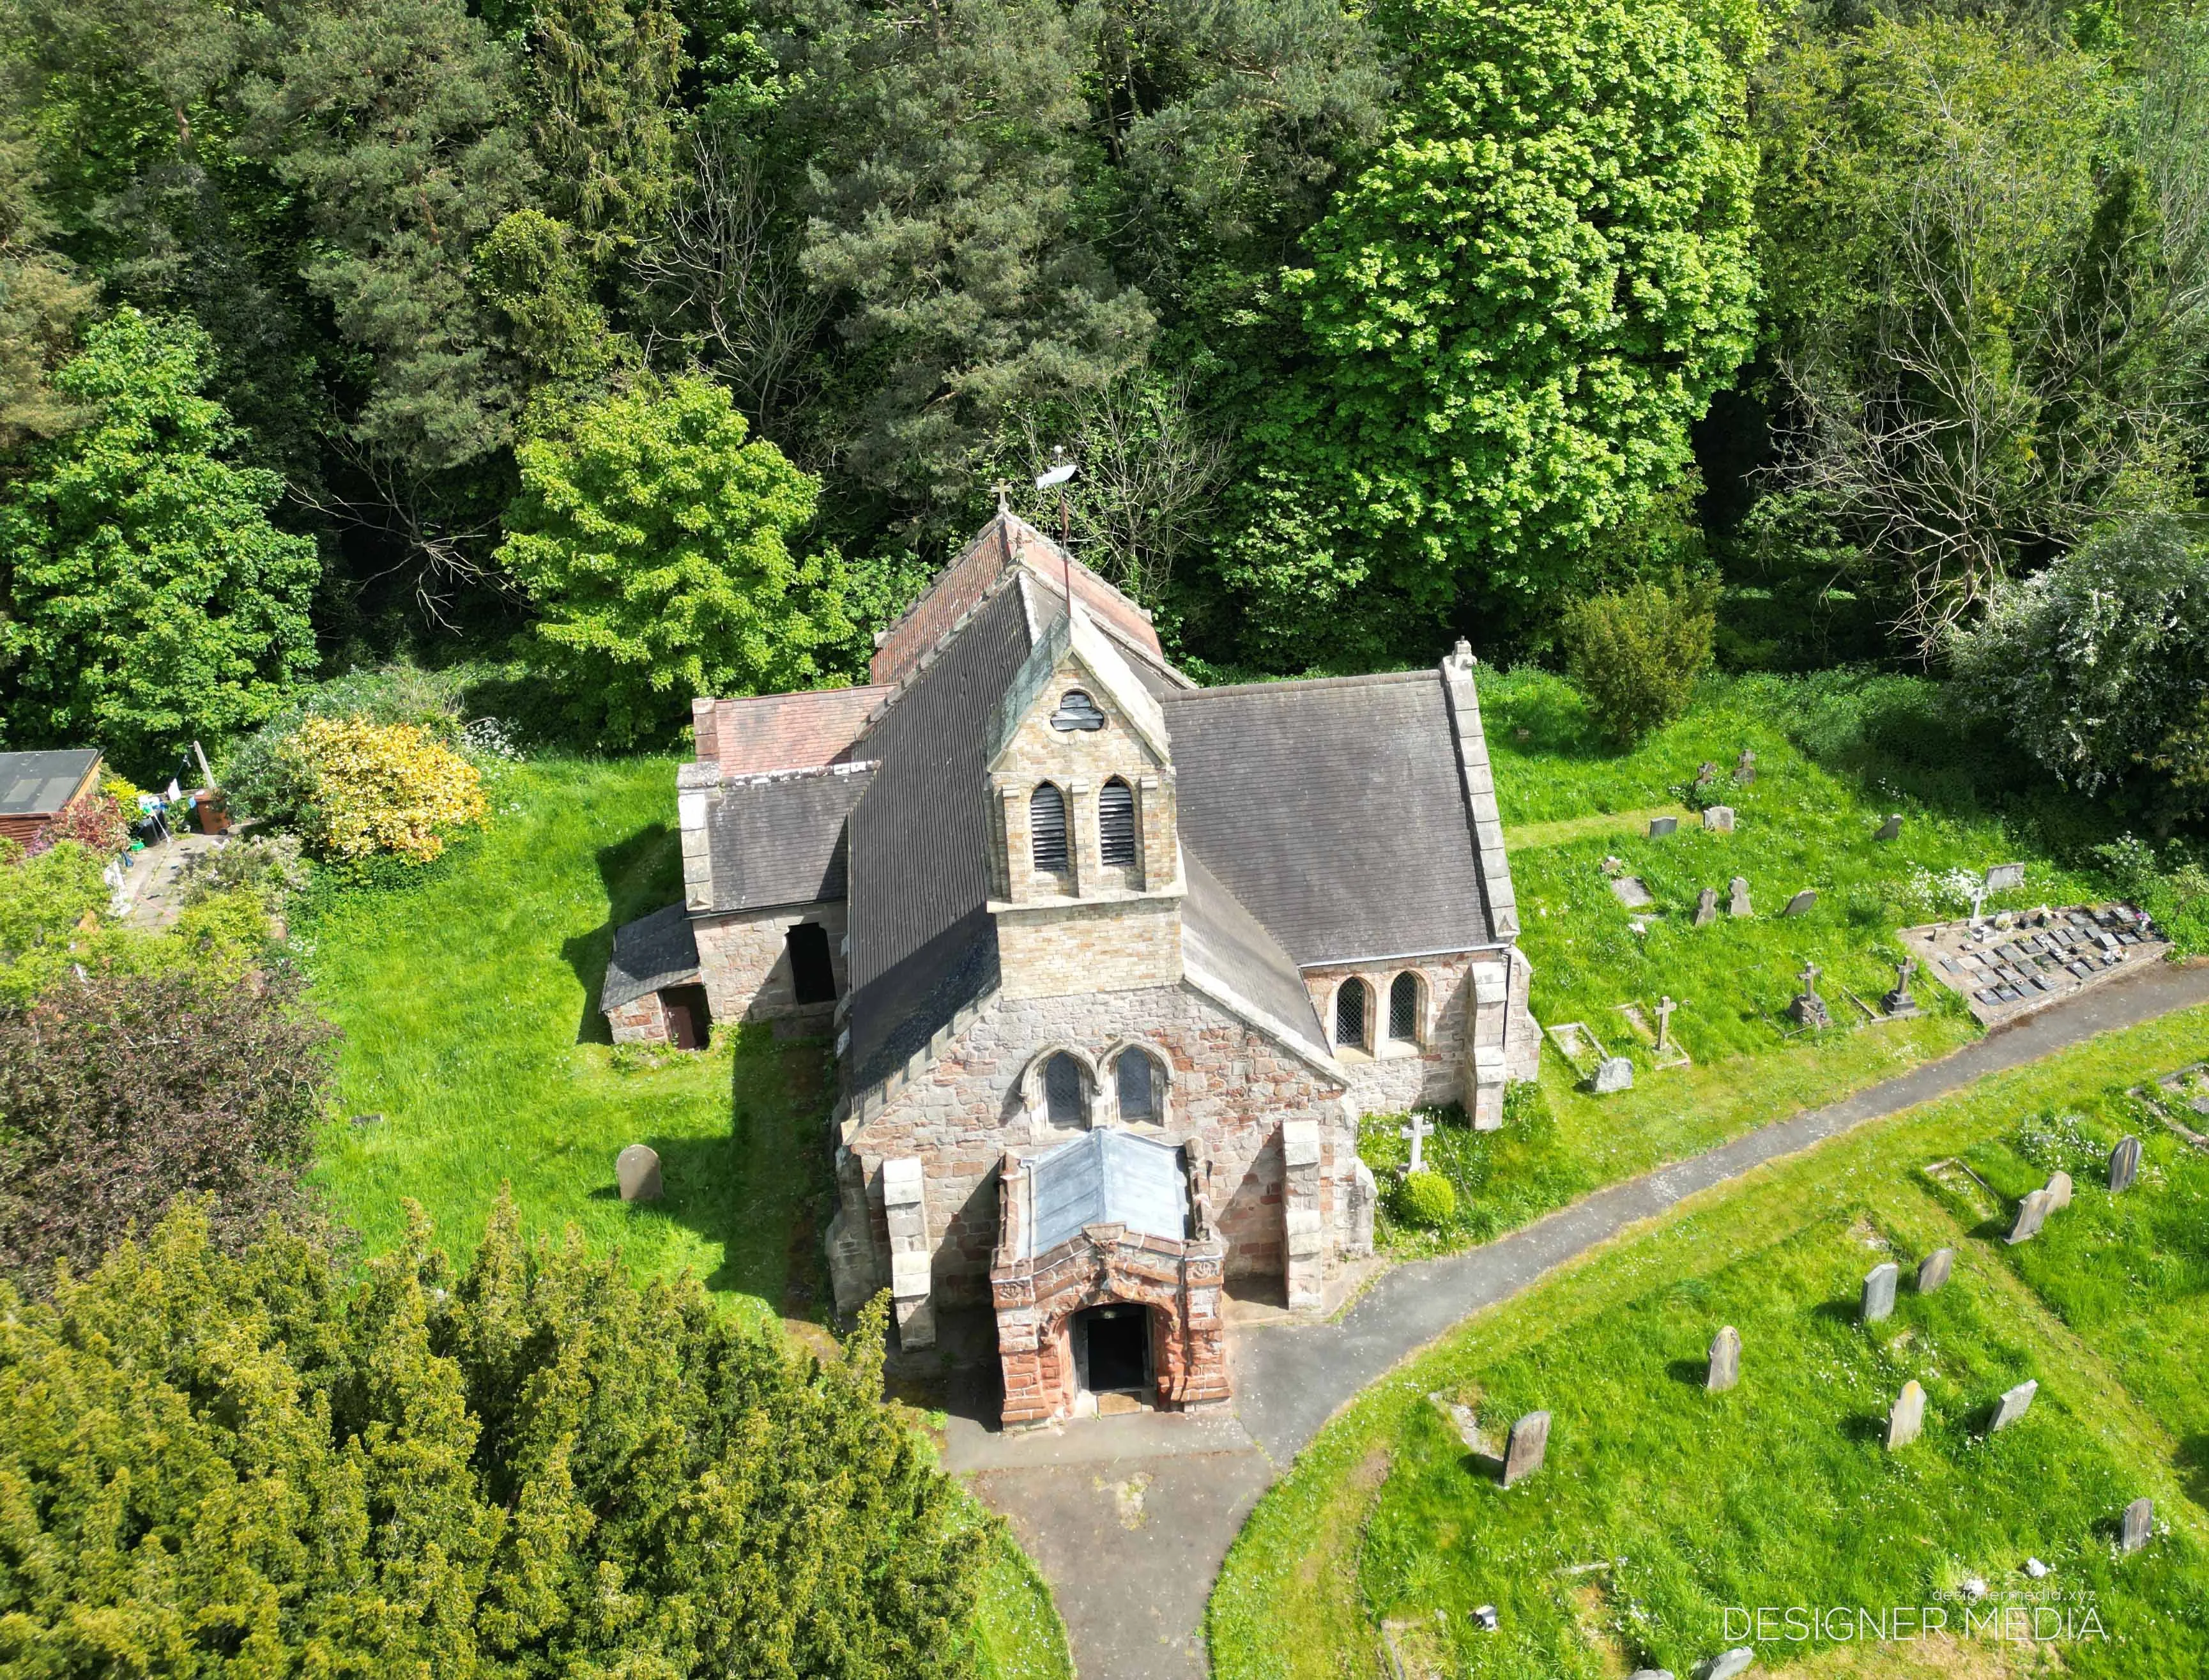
(468, 1002)
(1780, 1493)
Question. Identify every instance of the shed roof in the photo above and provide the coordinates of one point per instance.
(782, 732)
(41, 784)
(653, 951)
(1333, 810)
(779, 839)
(1106, 1177)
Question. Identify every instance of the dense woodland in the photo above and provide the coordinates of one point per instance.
(674, 342)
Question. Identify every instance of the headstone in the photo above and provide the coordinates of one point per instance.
(1739, 887)
(637, 1170)
(1706, 906)
(1525, 1447)
(1661, 825)
(1706, 773)
(1727, 1664)
(1613, 1073)
(1484, 1617)
(1905, 1420)
(1719, 820)
(1879, 1290)
(1650, 1674)
(1898, 1002)
(2005, 878)
(2032, 1215)
(1418, 1129)
(1725, 1361)
(1890, 829)
(1933, 1270)
(2059, 1191)
(1629, 891)
(2013, 1405)
(2139, 1523)
(2124, 1164)
(1665, 1006)
(1744, 767)
(1808, 1009)
(1800, 904)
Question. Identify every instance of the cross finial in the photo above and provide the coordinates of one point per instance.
(1005, 492)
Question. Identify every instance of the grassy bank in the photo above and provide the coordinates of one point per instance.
(1781, 1493)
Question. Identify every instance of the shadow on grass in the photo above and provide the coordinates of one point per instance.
(2193, 1466)
(640, 874)
(1694, 1373)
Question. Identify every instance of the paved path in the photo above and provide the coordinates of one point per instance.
(1129, 1518)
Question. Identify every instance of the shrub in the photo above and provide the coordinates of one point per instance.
(531, 1468)
(269, 871)
(1426, 1201)
(357, 790)
(253, 770)
(95, 824)
(1636, 652)
(44, 900)
(123, 1090)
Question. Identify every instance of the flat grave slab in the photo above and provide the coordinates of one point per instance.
(2011, 965)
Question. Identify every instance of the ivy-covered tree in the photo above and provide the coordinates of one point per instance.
(653, 542)
(531, 1468)
(150, 599)
(1518, 309)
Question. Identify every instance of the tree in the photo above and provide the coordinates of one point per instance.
(607, 126)
(125, 1090)
(1637, 653)
(652, 541)
(533, 1467)
(1519, 307)
(2099, 665)
(151, 599)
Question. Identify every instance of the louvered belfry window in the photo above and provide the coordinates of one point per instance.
(1047, 829)
(1350, 1015)
(1404, 1008)
(1115, 825)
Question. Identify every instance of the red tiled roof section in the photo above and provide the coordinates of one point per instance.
(1005, 541)
(781, 732)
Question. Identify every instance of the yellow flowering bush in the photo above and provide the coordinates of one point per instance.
(382, 788)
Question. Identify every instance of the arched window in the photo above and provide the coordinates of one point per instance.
(1062, 1090)
(1349, 1005)
(1404, 1008)
(1047, 829)
(1076, 710)
(1115, 825)
(1138, 1081)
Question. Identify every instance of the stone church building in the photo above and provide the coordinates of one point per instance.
(1113, 963)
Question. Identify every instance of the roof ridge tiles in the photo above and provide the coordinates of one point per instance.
(897, 690)
(1306, 684)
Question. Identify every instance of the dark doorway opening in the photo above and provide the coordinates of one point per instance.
(812, 976)
(1116, 1346)
(689, 1022)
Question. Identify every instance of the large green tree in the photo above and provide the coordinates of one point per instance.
(653, 542)
(1518, 309)
(531, 1468)
(150, 598)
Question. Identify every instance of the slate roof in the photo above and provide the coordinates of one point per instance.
(1333, 809)
(653, 951)
(1105, 1177)
(920, 837)
(779, 839)
(782, 732)
(1222, 940)
(41, 784)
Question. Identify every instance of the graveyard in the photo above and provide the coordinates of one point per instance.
(1934, 1458)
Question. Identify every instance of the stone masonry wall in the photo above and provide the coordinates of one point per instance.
(746, 968)
(1398, 1076)
(1108, 946)
(1228, 1088)
(641, 1021)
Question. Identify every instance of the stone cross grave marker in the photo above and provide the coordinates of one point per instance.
(1808, 1009)
(1706, 906)
(1739, 887)
(2139, 1523)
(1706, 773)
(1744, 767)
(1898, 1002)
(2032, 1215)
(1725, 1361)
(1802, 903)
(1933, 1271)
(2013, 1405)
(1525, 1447)
(2059, 1191)
(2124, 1164)
(636, 1171)
(1661, 825)
(1419, 1130)
(1891, 829)
(1879, 1291)
(1665, 1007)
(1719, 819)
(1905, 1420)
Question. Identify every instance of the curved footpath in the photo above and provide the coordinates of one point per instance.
(1129, 1518)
